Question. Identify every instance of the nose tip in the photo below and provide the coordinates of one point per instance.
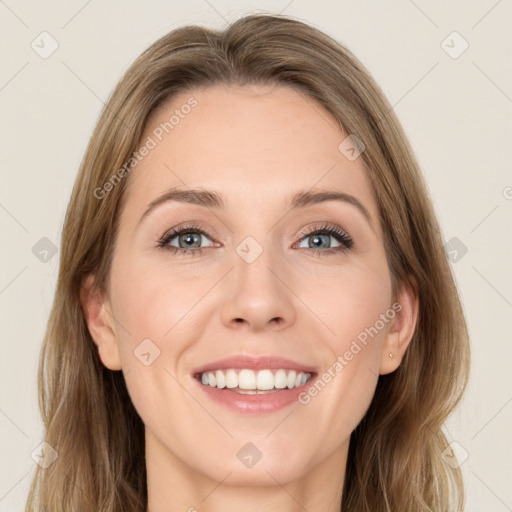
(257, 298)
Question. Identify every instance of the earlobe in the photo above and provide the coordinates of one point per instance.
(401, 331)
(98, 316)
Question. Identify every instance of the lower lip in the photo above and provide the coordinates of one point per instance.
(262, 403)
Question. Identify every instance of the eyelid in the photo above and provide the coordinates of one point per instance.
(180, 228)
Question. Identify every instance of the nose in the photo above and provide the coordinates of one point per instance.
(258, 297)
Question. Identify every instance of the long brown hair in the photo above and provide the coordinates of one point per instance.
(394, 462)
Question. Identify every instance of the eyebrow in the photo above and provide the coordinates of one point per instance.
(214, 200)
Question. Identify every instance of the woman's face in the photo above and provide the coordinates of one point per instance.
(265, 272)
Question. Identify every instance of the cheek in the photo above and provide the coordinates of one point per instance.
(158, 317)
(152, 299)
(350, 301)
(354, 308)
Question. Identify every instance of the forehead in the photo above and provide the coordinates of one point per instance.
(252, 143)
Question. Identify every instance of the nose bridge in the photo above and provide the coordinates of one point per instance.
(257, 295)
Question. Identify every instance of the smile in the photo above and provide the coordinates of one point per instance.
(247, 381)
(253, 384)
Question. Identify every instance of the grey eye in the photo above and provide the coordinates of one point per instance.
(316, 241)
(187, 239)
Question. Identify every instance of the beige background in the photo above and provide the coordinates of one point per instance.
(456, 112)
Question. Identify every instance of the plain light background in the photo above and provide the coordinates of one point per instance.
(457, 113)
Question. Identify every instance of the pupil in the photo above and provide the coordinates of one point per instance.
(191, 238)
(317, 241)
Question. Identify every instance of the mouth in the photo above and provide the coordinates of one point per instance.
(250, 384)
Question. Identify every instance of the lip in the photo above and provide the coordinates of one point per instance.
(257, 403)
(240, 361)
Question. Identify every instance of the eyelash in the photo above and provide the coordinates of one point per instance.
(346, 242)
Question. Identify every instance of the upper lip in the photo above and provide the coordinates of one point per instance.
(252, 362)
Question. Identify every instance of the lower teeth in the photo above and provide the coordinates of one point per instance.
(250, 391)
(254, 391)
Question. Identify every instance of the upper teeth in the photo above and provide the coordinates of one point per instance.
(260, 380)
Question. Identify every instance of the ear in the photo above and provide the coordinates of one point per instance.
(401, 330)
(100, 321)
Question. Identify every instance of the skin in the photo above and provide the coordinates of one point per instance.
(256, 146)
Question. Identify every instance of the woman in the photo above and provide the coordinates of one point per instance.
(254, 309)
